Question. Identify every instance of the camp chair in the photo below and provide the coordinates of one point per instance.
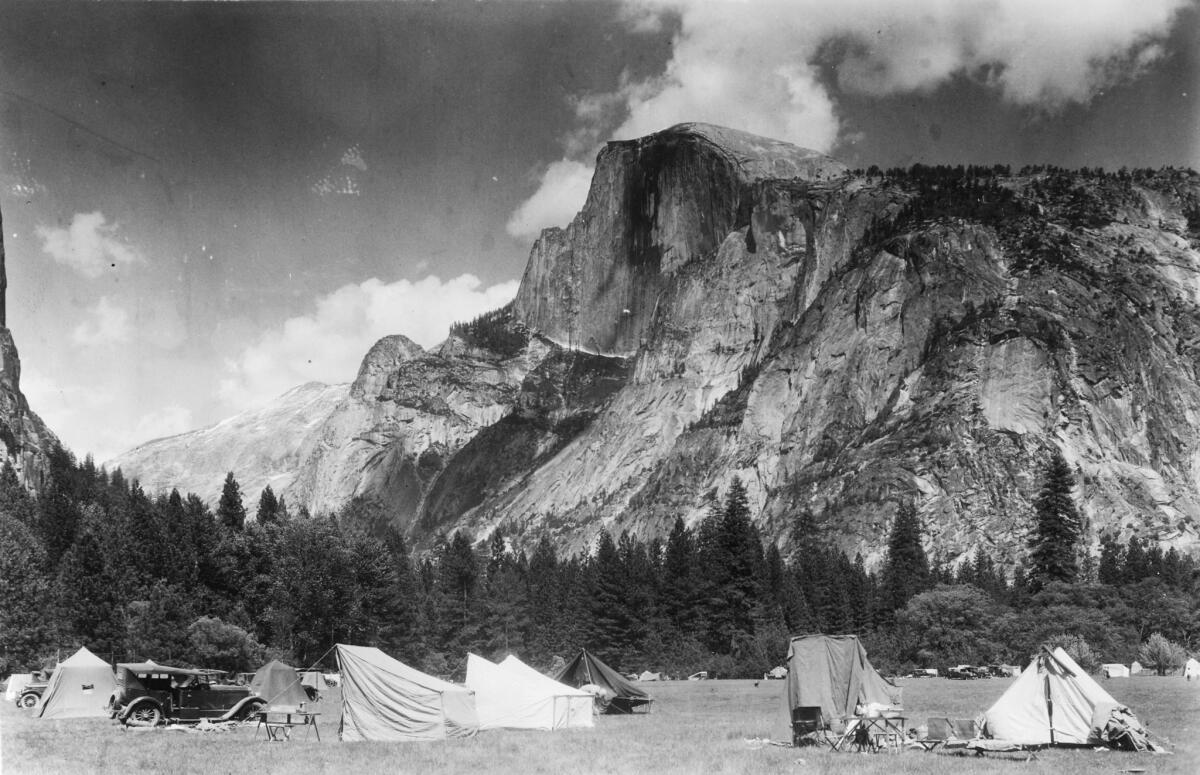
(938, 732)
(807, 726)
(965, 728)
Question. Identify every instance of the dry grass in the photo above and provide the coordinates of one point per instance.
(697, 727)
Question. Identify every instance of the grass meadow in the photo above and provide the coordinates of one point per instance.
(695, 727)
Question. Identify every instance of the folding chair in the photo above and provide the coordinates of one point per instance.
(807, 726)
(965, 728)
(938, 731)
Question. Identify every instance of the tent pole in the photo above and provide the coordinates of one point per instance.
(1049, 707)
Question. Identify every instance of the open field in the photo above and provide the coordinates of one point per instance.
(695, 727)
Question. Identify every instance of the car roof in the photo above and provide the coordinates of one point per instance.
(154, 667)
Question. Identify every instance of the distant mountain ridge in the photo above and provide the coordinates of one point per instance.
(727, 305)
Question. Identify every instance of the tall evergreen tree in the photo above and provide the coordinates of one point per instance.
(678, 583)
(906, 568)
(230, 511)
(1112, 560)
(1054, 543)
(268, 507)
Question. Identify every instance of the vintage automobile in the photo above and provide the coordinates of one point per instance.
(149, 694)
(32, 692)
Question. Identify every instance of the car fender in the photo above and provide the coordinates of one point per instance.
(243, 707)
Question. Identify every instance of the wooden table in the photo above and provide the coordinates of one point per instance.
(280, 722)
(872, 733)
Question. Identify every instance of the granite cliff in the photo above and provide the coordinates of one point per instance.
(25, 441)
(727, 305)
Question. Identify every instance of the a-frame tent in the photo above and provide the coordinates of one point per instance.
(572, 707)
(278, 684)
(80, 687)
(1052, 702)
(385, 699)
(832, 672)
(586, 669)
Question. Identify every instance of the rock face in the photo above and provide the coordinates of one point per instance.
(727, 305)
(25, 440)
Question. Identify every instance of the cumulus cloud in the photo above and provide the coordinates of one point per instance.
(777, 68)
(328, 344)
(108, 324)
(89, 245)
(563, 189)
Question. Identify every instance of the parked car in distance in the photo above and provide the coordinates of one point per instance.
(32, 692)
(961, 672)
(149, 694)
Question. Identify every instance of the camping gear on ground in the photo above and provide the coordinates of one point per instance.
(385, 699)
(832, 672)
(623, 696)
(1114, 671)
(508, 699)
(1054, 702)
(575, 704)
(80, 687)
(1191, 669)
(16, 684)
(279, 685)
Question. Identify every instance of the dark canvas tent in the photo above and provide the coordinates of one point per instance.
(278, 684)
(833, 672)
(586, 669)
(385, 699)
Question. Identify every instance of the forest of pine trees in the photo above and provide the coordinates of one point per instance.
(97, 561)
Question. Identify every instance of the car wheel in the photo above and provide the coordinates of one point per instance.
(27, 700)
(144, 715)
(249, 709)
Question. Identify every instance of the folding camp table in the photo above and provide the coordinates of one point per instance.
(280, 722)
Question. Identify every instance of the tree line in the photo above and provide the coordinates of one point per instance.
(96, 561)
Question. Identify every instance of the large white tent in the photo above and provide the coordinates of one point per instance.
(1052, 702)
(1115, 670)
(1191, 669)
(510, 699)
(385, 699)
(573, 708)
(16, 684)
(80, 687)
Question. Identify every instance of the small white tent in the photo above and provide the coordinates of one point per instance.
(1191, 669)
(1115, 670)
(385, 699)
(573, 708)
(1135, 668)
(1052, 702)
(80, 687)
(507, 699)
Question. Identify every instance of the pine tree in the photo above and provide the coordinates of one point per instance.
(1112, 560)
(906, 568)
(1054, 544)
(230, 511)
(678, 583)
(268, 507)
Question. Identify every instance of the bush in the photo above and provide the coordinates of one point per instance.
(1161, 654)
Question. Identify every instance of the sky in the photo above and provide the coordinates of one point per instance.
(206, 205)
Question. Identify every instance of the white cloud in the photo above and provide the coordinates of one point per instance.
(328, 344)
(109, 325)
(89, 245)
(755, 66)
(562, 192)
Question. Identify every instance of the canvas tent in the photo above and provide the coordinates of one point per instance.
(1114, 670)
(1135, 667)
(833, 672)
(510, 699)
(1191, 669)
(1052, 702)
(385, 699)
(80, 687)
(586, 669)
(279, 685)
(572, 707)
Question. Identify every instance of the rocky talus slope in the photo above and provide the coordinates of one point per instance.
(727, 305)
